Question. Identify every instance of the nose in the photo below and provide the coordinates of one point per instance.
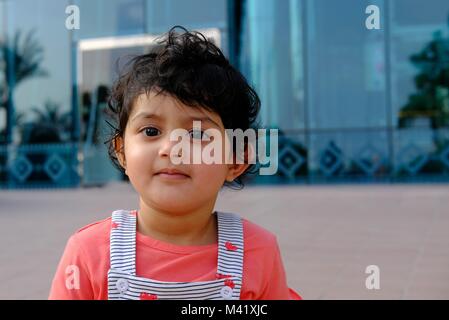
(167, 146)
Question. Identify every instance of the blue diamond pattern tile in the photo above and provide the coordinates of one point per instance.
(21, 168)
(290, 161)
(369, 153)
(444, 156)
(55, 167)
(413, 158)
(330, 160)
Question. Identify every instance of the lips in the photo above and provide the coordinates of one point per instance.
(172, 173)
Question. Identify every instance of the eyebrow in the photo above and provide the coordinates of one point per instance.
(147, 115)
(206, 119)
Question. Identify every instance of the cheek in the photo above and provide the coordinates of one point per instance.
(210, 175)
(139, 159)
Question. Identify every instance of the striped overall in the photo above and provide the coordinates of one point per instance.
(124, 283)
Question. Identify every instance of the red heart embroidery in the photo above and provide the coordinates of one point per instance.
(229, 246)
(114, 225)
(229, 283)
(147, 296)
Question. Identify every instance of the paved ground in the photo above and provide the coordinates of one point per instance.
(328, 235)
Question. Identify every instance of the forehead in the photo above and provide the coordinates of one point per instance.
(165, 106)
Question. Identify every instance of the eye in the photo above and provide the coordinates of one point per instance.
(151, 131)
(196, 134)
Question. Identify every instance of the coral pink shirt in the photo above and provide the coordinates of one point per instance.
(83, 269)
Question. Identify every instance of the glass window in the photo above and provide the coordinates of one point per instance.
(105, 18)
(419, 67)
(350, 154)
(420, 88)
(292, 157)
(3, 114)
(3, 23)
(40, 85)
(346, 65)
(272, 60)
(161, 15)
(421, 153)
(412, 13)
(42, 93)
(98, 68)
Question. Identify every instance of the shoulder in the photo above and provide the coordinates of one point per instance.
(91, 244)
(93, 236)
(258, 239)
(97, 234)
(252, 232)
(94, 231)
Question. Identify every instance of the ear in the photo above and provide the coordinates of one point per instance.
(119, 148)
(235, 169)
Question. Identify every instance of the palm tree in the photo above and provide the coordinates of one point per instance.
(19, 60)
(431, 99)
(50, 125)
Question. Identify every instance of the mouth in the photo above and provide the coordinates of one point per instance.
(172, 174)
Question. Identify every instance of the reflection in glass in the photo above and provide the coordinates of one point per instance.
(106, 18)
(346, 66)
(161, 15)
(272, 59)
(37, 98)
(350, 154)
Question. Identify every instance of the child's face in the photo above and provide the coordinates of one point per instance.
(147, 148)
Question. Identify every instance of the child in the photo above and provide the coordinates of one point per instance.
(175, 246)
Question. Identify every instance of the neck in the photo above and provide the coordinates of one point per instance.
(196, 227)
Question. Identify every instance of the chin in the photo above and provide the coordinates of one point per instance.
(172, 209)
(171, 203)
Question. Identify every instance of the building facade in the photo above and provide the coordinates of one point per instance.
(353, 103)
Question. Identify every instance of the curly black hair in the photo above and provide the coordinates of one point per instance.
(190, 68)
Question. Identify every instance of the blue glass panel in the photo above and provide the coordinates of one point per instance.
(42, 165)
(3, 168)
(3, 24)
(419, 54)
(106, 18)
(272, 60)
(421, 154)
(346, 66)
(98, 70)
(351, 154)
(291, 160)
(41, 96)
(161, 15)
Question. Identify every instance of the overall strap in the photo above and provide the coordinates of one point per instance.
(230, 245)
(123, 241)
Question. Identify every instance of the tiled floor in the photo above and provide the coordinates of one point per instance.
(328, 235)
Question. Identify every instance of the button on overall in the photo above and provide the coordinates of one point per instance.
(122, 285)
(226, 292)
